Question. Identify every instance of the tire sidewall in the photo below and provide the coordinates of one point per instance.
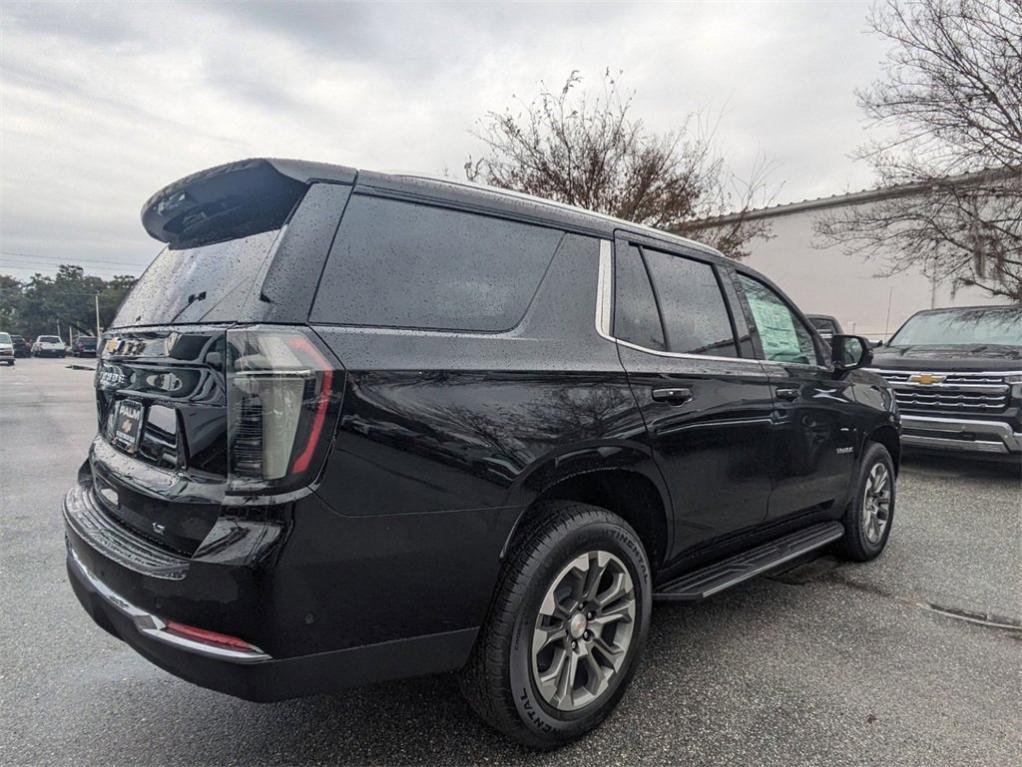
(874, 455)
(535, 713)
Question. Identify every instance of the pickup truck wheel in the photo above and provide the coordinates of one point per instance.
(565, 629)
(870, 513)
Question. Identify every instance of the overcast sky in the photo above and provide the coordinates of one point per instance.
(103, 104)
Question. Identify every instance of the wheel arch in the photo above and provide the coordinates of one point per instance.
(640, 500)
(887, 436)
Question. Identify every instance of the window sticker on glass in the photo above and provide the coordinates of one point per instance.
(780, 333)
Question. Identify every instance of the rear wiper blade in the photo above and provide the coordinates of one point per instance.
(191, 300)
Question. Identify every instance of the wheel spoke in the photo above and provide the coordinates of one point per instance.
(543, 636)
(612, 653)
(879, 478)
(549, 679)
(579, 573)
(597, 681)
(565, 694)
(597, 567)
(623, 612)
(618, 588)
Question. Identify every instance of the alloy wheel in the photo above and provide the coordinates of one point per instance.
(876, 503)
(583, 630)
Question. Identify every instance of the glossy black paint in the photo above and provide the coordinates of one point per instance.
(444, 441)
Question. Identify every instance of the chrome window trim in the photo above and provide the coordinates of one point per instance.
(604, 313)
(605, 291)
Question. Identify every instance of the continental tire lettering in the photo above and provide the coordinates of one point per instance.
(532, 714)
(625, 540)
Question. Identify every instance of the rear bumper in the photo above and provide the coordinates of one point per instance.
(960, 435)
(132, 589)
(257, 676)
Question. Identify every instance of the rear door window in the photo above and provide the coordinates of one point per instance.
(695, 316)
(636, 318)
(401, 264)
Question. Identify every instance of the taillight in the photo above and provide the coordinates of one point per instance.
(282, 397)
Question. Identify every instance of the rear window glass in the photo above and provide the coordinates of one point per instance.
(399, 264)
(49, 340)
(824, 324)
(210, 283)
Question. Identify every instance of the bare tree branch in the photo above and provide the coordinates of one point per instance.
(951, 95)
(583, 148)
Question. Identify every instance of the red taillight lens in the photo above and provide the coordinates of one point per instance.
(281, 404)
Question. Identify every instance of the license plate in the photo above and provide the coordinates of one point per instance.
(128, 424)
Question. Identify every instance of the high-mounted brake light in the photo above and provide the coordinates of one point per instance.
(281, 401)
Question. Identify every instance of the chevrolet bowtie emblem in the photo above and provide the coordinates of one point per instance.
(926, 379)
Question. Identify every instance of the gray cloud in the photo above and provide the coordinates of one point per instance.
(104, 103)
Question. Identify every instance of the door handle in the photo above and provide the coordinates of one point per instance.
(790, 395)
(673, 396)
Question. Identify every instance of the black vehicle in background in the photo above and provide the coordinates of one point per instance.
(21, 347)
(825, 325)
(357, 426)
(84, 346)
(957, 374)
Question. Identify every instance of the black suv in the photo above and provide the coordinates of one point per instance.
(957, 374)
(21, 347)
(356, 426)
(84, 346)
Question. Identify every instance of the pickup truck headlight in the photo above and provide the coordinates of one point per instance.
(1014, 378)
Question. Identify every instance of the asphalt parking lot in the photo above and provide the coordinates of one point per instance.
(914, 659)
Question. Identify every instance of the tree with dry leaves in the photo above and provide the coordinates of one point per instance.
(950, 103)
(583, 147)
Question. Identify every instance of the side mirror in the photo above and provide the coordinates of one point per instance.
(849, 353)
(875, 343)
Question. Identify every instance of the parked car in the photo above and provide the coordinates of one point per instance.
(6, 349)
(957, 374)
(825, 325)
(84, 346)
(21, 347)
(48, 346)
(427, 426)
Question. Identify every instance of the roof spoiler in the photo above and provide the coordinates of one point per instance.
(234, 200)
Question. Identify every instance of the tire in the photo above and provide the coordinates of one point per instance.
(869, 515)
(552, 563)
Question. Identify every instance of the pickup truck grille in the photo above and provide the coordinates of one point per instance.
(934, 392)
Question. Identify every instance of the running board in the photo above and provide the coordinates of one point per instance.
(713, 578)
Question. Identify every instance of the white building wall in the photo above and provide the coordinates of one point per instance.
(847, 287)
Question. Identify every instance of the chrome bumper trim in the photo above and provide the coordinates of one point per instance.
(989, 436)
(154, 628)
